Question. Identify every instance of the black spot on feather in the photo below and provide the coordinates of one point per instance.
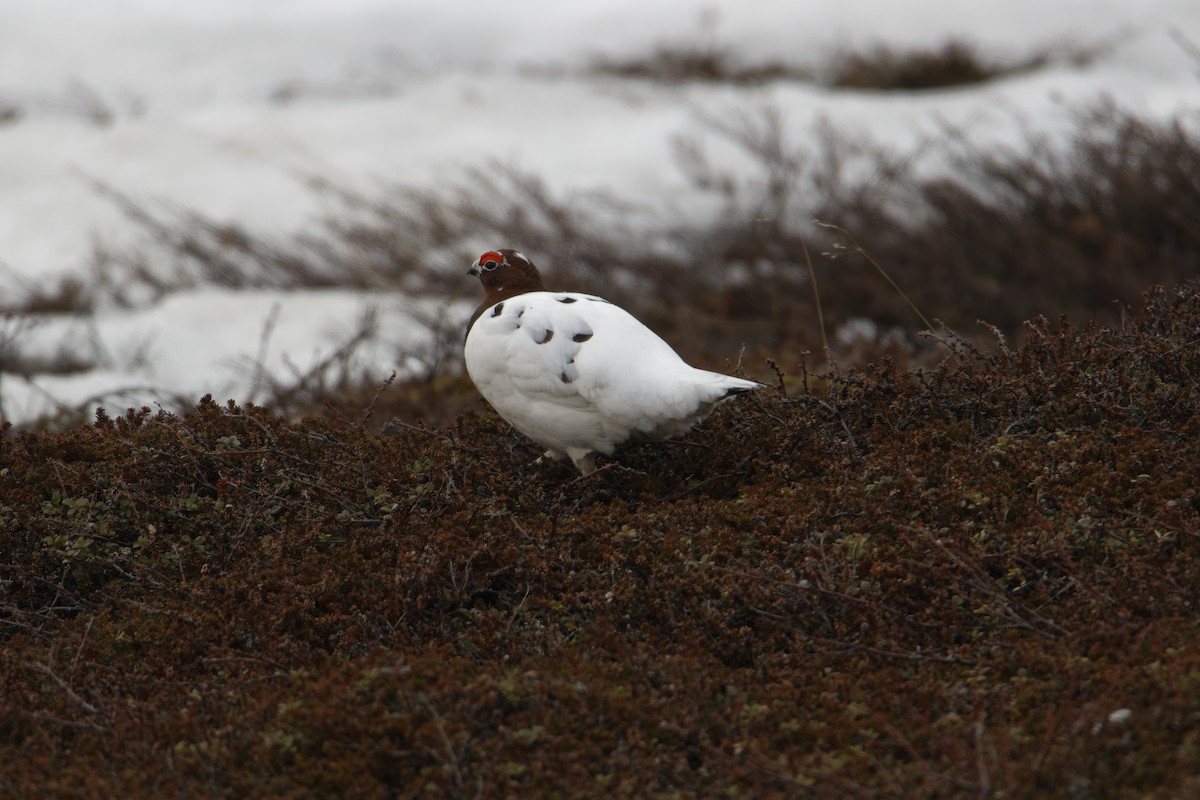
(549, 335)
(581, 337)
(566, 299)
(498, 310)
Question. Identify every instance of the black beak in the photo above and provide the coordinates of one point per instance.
(474, 270)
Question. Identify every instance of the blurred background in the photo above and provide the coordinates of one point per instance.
(276, 202)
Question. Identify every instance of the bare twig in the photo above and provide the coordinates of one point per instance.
(66, 689)
(264, 341)
(812, 275)
(857, 249)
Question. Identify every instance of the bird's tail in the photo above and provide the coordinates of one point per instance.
(741, 387)
(734, 386)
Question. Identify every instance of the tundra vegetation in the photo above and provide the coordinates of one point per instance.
(940, 557)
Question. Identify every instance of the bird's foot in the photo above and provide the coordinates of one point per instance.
(592, 473)
(545, 459)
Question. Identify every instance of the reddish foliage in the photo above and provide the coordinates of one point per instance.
(977, 580)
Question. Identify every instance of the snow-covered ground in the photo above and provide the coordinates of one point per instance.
(225, 107)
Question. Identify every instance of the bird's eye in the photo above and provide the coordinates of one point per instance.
(491, 260)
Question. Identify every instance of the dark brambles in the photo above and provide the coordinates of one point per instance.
(1079, 230)
(975, 580)
(675, 64)
(698, 58)
(1007, 235)
(954, 63)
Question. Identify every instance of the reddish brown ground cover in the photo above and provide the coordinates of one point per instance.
(980, 580)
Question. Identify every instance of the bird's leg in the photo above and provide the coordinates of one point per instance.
(590, 476)
(544, 458)
(586, 463)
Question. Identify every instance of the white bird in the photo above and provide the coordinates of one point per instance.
(575, 373)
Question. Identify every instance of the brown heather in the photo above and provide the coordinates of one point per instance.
(977, 578)
(978, 581)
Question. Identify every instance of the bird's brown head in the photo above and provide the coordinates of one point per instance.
(506, 273)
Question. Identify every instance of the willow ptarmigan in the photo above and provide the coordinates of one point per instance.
(575, 373)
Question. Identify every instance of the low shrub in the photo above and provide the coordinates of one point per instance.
(973, 580)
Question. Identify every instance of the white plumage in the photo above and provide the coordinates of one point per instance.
(579, 375)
